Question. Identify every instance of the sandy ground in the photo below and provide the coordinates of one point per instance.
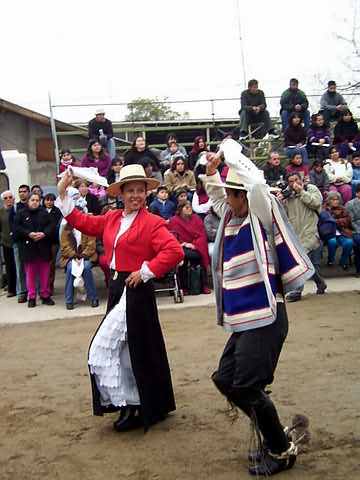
(48, 431)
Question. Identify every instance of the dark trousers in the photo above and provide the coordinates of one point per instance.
(10, 269)
(191, 257)
(356, 240)
(246, 367)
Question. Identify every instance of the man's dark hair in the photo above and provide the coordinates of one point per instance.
(331, 83)
(49, 196)
(171, 135)
(24, 186)
(294, 80)
(252, 83)
(37, 186)
(291, 174)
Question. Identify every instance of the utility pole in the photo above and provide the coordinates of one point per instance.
(241, 44)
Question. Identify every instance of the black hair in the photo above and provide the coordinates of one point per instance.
(291, 174)
(171, 135)
(24, 186)
(294, 80)
(37, 186)
(145, 161)
(49, 196)
(331, 83)
(317, 163)
(117, 160)
(252, 83)
(162, 187)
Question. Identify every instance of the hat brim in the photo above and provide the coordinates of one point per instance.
(114, 189)
(227, 185)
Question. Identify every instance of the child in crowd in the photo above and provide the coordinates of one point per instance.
(274, 173)
(116, 166)
(166, 207)
(355, 181)
(181, 196)
(319, 178)
(172, 151)
(296, 165)
(295, 138)
(67, 160)
(97, 190)
(318, 138)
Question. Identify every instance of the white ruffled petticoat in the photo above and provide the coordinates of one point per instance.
(109, 360)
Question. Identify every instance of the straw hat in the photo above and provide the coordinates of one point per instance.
(132, 173)
(232, 181)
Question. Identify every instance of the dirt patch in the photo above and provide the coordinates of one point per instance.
(48, 431)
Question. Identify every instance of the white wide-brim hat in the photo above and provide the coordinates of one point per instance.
(233, 180)
(132, 173)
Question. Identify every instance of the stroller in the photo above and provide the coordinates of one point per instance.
(170, 281)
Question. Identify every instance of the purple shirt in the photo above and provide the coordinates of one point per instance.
(103, 166)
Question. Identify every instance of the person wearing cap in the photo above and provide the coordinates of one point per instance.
(256, 260)
(161, 201)
(127, 356)
(332, 103)
(101, 129)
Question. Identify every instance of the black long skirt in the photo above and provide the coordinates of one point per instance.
(147, 350)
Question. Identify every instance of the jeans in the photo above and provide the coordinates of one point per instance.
(110, 146)
(302, 150)
(88, 279)
(285, 116)
(315, 257)
(21, 290)
(345, 243)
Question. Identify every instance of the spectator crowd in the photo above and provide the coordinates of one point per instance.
(320, 185)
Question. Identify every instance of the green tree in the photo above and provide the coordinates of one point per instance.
(143, 109)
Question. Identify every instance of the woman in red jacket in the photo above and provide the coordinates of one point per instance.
(127, 356)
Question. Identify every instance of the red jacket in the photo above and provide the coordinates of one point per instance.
(147, 239)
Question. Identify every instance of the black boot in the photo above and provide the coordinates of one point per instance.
(129, 419)
(270, 463)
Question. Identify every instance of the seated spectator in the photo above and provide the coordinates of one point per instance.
(78, 249)
(344, 233)
(274, 173)
(92, 202)
(211, 224)
(140, 150)
(116, 166)
(339, 172)
(67, 160)
(355, 181)
(101, 129)
(97, 157)
(181, 196)
(346, 134)
(319, 178)
(296, 165)
(173, 152)
(198, 147)
(192, 236)
(253, 111)
(38, 190)
(6, 241)
(353, 208)
(332, 103)
(147, 165)
(318, 143)
(295, 138)
(98, 190)
(34, 230)
(201, 203)
(166, 207)
(56, 217)
(171, 138)
(180, 176)
(294, 100)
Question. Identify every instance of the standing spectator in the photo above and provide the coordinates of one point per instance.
(319, 178)
(180, 176)
(353, 208)
(344, 233)
(295, 138)
(339, 172)
(139, 150)
(198, 147)
(161, 201)
(23, 191)
(302, 208)
(6, 241)
(274, 173)
(67, 160)
(56, 217)
(97, 157)
(101, 129)
(294, 100)
(346, 134)
(38, 190)
(34, 230)
(92, 203)
(171, 138)
(296, 165)
(318, 138)
(253, 111)
(332, 103)
(355, 181)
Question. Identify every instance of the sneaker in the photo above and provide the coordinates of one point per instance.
(271, 463)
(48, 301)
(94, 303)
(243, 136)
(344, 267)
(31, 303)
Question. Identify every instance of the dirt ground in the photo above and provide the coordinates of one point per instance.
(48, 431)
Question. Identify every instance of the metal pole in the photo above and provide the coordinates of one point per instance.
(54, 137)
(241, 43)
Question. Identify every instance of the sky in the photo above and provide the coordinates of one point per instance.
(114, 51)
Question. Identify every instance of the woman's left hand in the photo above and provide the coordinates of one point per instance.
(133, 280)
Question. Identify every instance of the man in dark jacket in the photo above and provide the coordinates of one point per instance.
(101, 128)
(253, 110)
(6, 242)
(294, 100)
(332, 103)
(274, 173)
